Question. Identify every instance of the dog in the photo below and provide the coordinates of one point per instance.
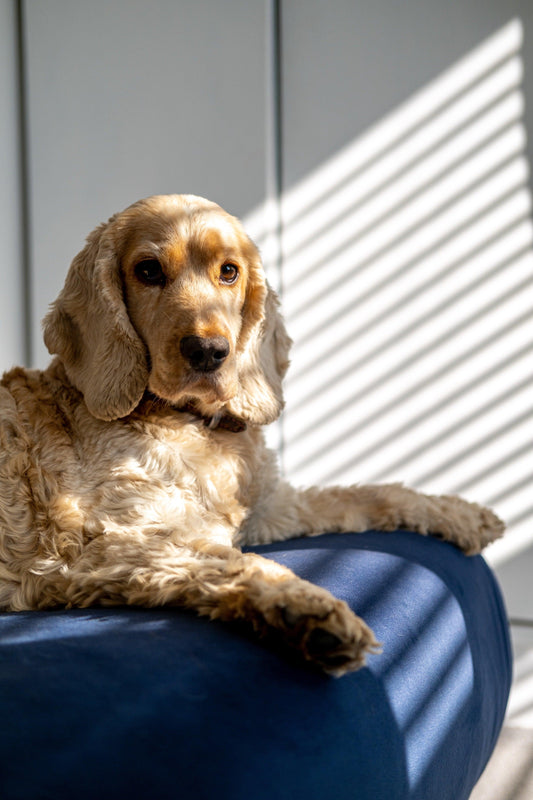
(134, 467)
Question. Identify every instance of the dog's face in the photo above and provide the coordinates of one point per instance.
(170, 296)
(188, 287)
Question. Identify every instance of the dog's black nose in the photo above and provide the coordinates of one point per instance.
(204, 354)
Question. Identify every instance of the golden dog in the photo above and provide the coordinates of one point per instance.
(134, 467)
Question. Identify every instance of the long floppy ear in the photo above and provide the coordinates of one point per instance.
(263, 360)
(89, 329)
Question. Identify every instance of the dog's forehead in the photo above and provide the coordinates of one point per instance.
(204, 237)
(211, 229)
(190, 233)
(211, 235)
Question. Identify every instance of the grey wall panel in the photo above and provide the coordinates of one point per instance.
(347, 64)
(11, 226)
(130, 98)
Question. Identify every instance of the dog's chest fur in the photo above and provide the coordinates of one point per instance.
(155, 474)
(168, 476)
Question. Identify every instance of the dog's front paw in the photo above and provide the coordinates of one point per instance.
(328, 634)
(341, 651)
(467, 525)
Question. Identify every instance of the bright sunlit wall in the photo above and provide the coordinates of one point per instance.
(407, 285)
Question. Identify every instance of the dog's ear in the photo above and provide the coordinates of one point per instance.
(262, 355)
(89, 329)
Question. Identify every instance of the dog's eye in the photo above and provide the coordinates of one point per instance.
(228, 273)
(150, 272)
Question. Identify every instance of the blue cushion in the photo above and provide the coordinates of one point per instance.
(159, 703)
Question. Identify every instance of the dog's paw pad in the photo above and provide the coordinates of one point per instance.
(321, 642)
(322, 628)
(339, 645)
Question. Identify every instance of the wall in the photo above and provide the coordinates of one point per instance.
(377, 150)
(12, 264)
(407, 262)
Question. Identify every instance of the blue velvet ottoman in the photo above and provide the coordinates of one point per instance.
(134, 703)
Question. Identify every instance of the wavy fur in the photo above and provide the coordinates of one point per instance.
(114, 490)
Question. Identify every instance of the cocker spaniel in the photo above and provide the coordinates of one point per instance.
(133, 468)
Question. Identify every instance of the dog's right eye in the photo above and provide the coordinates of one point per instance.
(150, 272)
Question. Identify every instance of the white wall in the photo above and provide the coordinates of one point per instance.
(397, 131)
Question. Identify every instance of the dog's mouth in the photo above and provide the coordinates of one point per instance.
(212, 388)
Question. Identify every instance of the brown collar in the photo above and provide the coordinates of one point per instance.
(226, 421)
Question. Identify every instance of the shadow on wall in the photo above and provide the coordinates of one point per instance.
(407, 275)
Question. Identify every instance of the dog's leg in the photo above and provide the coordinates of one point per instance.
(288, 512)
(221, 582)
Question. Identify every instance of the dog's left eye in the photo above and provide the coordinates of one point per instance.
(150, 272)
(228, 273)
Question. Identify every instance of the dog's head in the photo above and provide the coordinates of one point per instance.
(170, 296)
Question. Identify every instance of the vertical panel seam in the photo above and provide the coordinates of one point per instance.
(278, 110)
(274, 166)
(23, 166)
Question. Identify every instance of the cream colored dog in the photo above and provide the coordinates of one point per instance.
(133, 468)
